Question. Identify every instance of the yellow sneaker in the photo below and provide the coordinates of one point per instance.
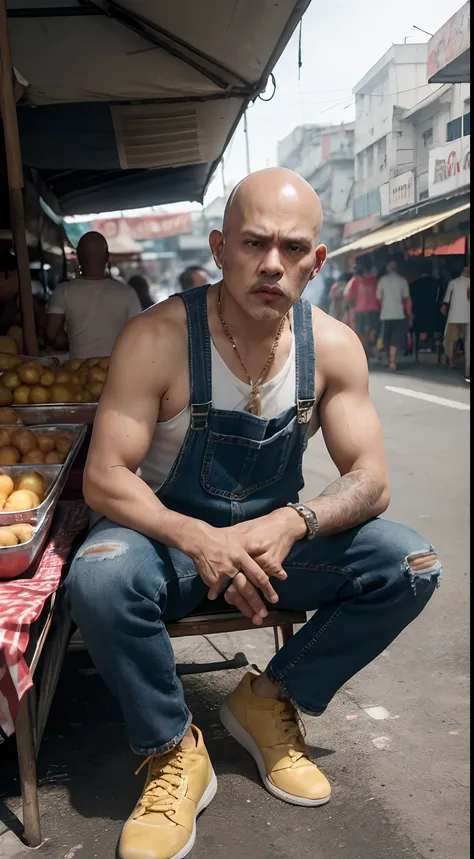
(269, 730)
(179, 785)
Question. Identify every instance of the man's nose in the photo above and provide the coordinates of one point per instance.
(271, 263)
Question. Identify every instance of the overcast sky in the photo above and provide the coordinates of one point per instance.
(341, 41)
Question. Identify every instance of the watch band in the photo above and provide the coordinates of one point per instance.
(310, 518)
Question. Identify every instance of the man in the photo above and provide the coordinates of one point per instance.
(94, 307)
(426, 303)
(455, 306)
(361, 294)
(216, 509)
(393, 293)
(194, 275)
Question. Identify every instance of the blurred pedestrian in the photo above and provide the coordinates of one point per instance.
(456, 305)
(361, 296)
(393, 293)
(141, 286)
(336, 296)
(193, 275)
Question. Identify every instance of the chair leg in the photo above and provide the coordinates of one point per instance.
(282, 634)
(25, 740)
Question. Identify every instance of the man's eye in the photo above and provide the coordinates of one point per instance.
(254, 243)
(294, 248)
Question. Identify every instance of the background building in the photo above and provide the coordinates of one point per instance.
(324, 156)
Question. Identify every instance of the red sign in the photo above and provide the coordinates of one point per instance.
(362, 225)
(148, 227)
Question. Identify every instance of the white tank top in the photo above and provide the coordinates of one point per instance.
(228, 393)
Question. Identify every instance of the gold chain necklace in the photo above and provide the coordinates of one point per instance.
(254, 405)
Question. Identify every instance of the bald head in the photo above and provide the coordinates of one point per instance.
(278, 189)
(268, 249)
(93, 254)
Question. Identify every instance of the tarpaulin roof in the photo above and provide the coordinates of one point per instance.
(139, 85)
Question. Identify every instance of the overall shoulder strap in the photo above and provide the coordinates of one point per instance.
(305, 360)
(200, 373)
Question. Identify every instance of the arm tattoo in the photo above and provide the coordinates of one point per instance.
(349, 501)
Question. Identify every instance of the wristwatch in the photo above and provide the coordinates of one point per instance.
(310, 518)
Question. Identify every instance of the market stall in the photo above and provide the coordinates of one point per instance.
(141, 117)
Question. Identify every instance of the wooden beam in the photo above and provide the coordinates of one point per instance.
(15, 184)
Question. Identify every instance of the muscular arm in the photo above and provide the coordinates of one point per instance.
(353, 436)
(124, 425)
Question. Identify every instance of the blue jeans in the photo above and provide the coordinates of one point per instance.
(124, 588)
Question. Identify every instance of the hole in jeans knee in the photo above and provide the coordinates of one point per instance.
(102, 552)
(423, 566)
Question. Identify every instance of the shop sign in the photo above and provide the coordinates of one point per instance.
(148, 227)
(401, 191)
(449, 167)
(452, 40)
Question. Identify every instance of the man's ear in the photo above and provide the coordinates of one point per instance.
(319, 260)
(216, 243)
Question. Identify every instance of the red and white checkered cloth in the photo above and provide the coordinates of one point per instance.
(21, 603)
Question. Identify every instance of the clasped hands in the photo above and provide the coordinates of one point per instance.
(249, 554)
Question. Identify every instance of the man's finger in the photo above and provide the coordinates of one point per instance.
(255, 574)
(250, 594)
(233, 597)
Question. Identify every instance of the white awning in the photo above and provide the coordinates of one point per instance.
(396, 232)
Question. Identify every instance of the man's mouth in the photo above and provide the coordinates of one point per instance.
(273, 293)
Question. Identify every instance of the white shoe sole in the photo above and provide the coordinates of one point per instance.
(240, 734)
(205, 800)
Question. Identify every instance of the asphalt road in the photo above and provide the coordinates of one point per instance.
(394, 742)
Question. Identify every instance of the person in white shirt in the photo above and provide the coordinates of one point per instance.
(455, 306)
(94, 307)
(394, 295)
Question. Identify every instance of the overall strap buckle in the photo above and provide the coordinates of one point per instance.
(199, 415)
(305, 410)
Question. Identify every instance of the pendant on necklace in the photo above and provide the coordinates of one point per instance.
(254, 405)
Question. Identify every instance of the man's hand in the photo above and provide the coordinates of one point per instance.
(220, 554)
(268, 540)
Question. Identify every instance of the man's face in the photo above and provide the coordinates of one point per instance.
(391, 268)
(268, 255)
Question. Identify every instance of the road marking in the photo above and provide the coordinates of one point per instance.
(430, 398)
(381, 743)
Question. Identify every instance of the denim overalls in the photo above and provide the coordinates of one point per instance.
(233, 466)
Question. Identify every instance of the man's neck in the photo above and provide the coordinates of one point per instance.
(243, 326)
(93, 274)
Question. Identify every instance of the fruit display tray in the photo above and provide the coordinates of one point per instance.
(55, 476)
(15, 560)
(56, 413)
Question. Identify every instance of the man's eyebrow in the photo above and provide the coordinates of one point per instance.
(304, 241)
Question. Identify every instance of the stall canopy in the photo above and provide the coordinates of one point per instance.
(397, 232)
(132, 103)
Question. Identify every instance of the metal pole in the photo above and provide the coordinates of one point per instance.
(247, 148)
(224, 186)
(15, 184)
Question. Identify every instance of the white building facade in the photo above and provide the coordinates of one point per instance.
(412, 138)
(324, 156)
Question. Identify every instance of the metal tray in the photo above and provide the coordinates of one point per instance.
(56, 413)
(15, 560)
(55, 475)
(47, 361)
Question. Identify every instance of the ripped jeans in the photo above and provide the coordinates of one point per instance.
(367, 585)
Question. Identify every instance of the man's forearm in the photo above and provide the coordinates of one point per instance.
(351, 500)
(125, 498)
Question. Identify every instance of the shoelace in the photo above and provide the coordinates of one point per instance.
(294, 733)
(162, 792)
